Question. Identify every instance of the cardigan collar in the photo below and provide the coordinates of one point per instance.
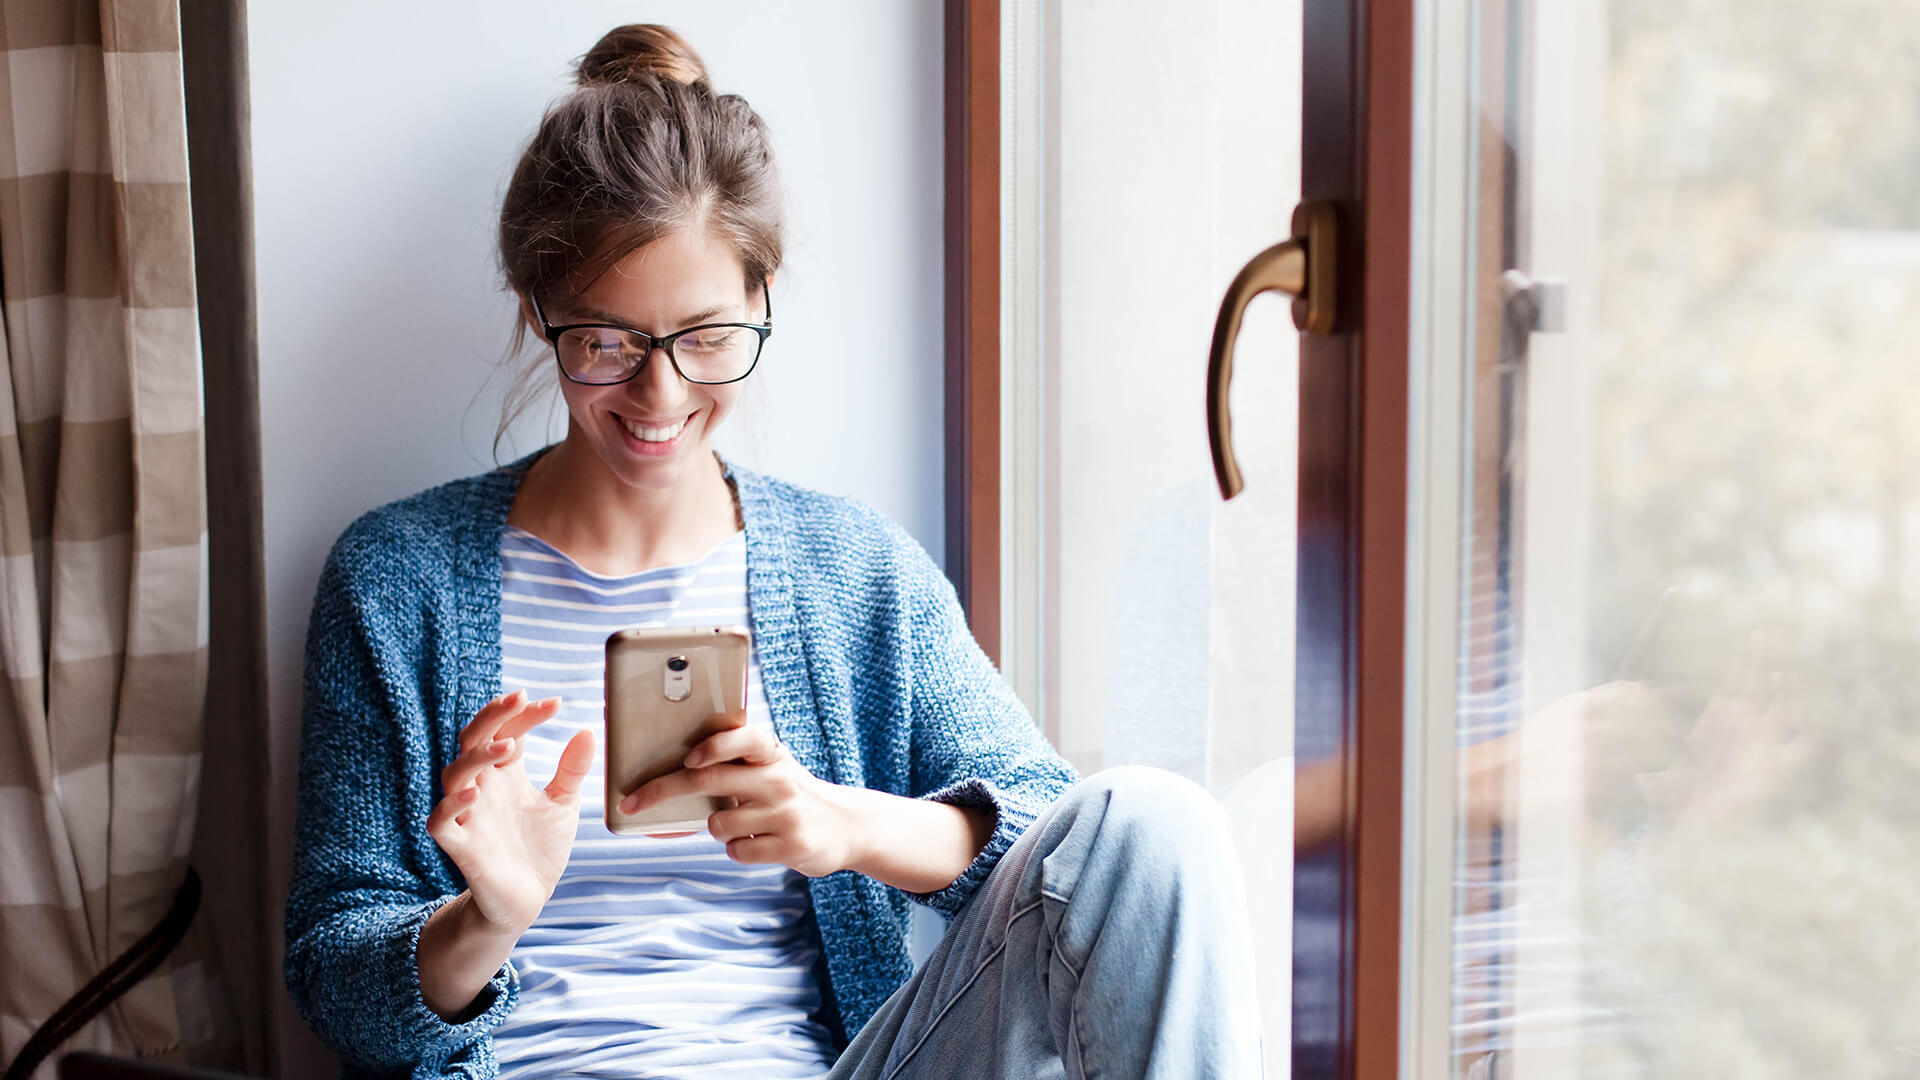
(495, 491)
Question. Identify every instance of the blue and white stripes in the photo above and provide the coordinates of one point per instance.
(654, 957)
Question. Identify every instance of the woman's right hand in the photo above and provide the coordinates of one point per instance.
(509, 839)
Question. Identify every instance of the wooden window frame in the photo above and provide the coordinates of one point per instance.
(972, 92)
(1357, 151)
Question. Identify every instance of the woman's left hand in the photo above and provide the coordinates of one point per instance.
(782, 813)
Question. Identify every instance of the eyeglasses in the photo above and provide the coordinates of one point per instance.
(605, 354)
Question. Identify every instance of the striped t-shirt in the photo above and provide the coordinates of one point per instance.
(654, 958)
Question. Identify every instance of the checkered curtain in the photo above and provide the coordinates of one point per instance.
(103, 569)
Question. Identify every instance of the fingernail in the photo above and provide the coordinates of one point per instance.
(629, 804)
(695, 760)
(554, 700)
(518, 695)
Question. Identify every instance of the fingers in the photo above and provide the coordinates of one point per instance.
(468, 767)
(447, 822)
(756, 849)
(748, 783)
(496, 736)
(531, 716)
(752, 745)
(505, 717)
(575, 761)
(678, 782)
(488, 720)
(729, 825)
(516, 749)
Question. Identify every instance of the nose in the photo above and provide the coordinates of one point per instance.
(658, 385)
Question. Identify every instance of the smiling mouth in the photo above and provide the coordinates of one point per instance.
(654, 433)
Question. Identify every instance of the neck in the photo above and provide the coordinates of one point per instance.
(571, 500)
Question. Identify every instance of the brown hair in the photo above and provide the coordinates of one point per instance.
(642, 148)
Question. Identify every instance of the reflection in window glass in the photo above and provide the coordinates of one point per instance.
(1689, 706)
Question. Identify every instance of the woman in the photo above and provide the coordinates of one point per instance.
(448, 918)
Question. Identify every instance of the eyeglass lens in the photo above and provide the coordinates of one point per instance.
(605, 355)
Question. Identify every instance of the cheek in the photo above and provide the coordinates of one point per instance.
(581, 400)
(722, 399)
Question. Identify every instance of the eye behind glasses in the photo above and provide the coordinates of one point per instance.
(603, 354)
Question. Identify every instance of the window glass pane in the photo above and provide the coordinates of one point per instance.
(1687, 832)
(1169, 156)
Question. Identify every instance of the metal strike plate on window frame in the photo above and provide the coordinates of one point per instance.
(1535, 302)
(1304, 267)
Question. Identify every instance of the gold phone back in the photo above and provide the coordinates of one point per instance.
(649, 732)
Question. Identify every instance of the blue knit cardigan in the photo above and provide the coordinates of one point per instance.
(871, 675)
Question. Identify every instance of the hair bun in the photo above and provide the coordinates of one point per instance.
(641, 51)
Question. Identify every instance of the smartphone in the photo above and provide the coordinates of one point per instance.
(668, 689)
(1683, 647)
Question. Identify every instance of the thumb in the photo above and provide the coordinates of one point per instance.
(575, 760)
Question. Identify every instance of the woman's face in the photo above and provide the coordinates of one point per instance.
(654, 429)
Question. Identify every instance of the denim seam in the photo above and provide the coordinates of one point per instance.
(961, 992)
(1073, 1002)
(1054, 937)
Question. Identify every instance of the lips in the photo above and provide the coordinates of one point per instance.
(652, 438)
(654, 433)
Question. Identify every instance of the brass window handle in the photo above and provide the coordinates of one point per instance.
(1304, 269)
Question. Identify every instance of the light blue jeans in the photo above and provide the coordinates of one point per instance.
(1110, 942)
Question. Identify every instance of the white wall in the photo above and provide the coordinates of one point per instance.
(383, 135)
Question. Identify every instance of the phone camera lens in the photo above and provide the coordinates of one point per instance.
(676, 663)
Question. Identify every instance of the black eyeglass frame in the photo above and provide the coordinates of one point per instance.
(665, 341)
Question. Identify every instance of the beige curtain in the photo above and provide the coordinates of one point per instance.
(103, 575)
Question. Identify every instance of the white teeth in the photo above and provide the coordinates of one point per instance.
(653, 434)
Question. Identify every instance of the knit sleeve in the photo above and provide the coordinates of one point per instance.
(365, 874)
(973, 743)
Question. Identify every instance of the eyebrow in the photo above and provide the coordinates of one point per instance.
(695, 319)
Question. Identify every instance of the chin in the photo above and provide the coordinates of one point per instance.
(640, 465)
(657, 473)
